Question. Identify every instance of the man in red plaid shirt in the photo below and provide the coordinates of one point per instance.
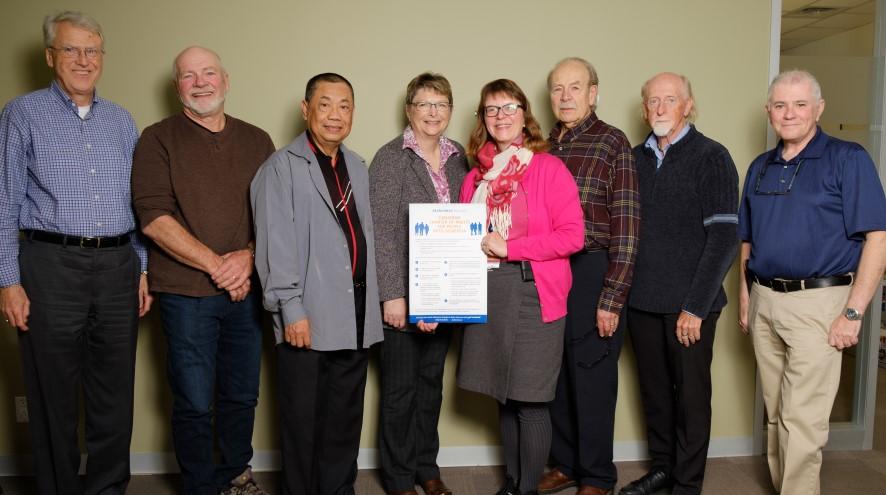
(599, 157)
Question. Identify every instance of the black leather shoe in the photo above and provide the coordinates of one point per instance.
(510, 487)
(650, 483)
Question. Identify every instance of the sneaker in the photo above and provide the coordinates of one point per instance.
(244, 485)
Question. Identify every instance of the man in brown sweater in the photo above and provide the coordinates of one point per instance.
(190, 185)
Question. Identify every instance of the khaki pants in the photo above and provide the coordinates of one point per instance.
(800, 374)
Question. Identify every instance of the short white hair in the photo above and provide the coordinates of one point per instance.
(795, 76)
(78, 19)
(175, 61)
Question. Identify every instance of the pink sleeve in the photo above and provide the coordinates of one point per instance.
(560, 199)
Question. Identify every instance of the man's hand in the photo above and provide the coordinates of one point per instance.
(241, 292)
(744, 303)
(394, 312)
(298, 334)
(15, 306)
(607, 322)
(843, 333)
(236, 268)
(688, 329)
(144, 295)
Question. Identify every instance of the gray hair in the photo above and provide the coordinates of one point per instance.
(77, 19)
(687, 92)
(592, 72)
(221, 67)
(794, 76)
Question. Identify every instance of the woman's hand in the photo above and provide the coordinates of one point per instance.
(426, 327)
(493, 245)
(394, 312)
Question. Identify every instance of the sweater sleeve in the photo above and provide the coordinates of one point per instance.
(718, 190)
(385, 193)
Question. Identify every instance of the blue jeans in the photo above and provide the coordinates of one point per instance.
(213, 355)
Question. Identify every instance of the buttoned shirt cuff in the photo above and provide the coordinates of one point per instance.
(138, 244)
(292, 311)
(10, 277)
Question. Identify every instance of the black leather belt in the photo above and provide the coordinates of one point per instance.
(781, 285)
(73, 240)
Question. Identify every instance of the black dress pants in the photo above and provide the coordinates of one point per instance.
(321, 412)
(83, 329)
(583, 411)
(675, 384)
(411, 366)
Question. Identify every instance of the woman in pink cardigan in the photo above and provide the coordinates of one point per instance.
(534, 222)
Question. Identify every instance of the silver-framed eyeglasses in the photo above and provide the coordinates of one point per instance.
(507, 109)
(90, 52)
(426, 106)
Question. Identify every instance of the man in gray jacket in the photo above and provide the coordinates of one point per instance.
(315, 258)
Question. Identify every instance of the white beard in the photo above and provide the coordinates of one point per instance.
(661, 129)
(204, 107)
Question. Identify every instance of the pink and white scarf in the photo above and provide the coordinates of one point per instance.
(496, 185)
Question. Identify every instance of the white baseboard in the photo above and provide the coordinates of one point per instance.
(269, 460)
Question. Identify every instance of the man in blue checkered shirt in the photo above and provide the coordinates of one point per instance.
(72, 270)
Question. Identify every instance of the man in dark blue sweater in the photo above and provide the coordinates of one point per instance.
(688, 239)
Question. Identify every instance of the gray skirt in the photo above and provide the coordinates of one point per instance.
(515, 355)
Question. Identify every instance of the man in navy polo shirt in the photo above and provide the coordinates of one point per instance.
(813, 226)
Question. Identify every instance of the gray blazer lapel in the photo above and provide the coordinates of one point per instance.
(320, 183)
(420, 169)
(302, 149)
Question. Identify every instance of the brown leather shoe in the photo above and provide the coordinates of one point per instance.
(436, 487)
(553, 481)
(592, 490)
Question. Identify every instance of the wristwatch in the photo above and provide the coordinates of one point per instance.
(852, 314)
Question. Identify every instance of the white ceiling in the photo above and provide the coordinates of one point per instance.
(801, 23)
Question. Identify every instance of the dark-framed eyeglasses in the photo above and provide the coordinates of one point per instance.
(426, 106)
(90, 52)
(508, 109)
(786, 191)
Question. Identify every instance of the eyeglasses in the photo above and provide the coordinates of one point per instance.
(776, 192)
(91, 53)
(509, 109)
(425, 106)
(654, 102)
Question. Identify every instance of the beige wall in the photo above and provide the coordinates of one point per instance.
(858, 42)
(272, 47)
